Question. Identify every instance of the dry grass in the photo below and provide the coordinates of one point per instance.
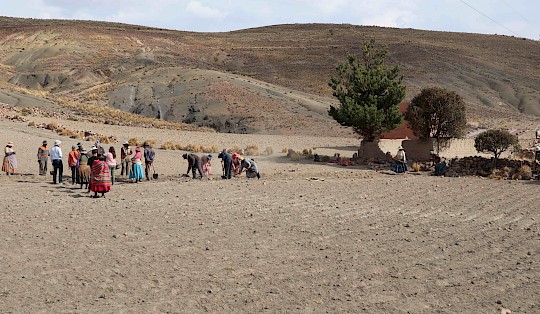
(134, 142)
(285, 150)
(251, 150)
(268, 151)
(151, 142)
(168, 146)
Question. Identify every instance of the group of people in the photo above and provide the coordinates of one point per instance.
(231, 165)
(95, 169)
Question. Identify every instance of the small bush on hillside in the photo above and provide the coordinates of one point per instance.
(168, 146)
(151, 142)
(134, 142)
(268, 151)
(31, 123)
(252, 150)
(284, 150)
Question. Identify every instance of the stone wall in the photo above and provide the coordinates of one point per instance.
(419, 150)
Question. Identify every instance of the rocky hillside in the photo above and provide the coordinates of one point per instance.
(263, 80)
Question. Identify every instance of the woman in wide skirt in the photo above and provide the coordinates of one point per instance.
(100, 180)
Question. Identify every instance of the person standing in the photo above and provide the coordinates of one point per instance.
(101, 149)
(73, 158)
(194, 164)
(399, 164)
(149, 155)
(43, 158)
(83, 171)
(110, 158)
(226, 160)
(9, 166)
(125, 158)
(136, 166)
(56, 158)
(100, 179)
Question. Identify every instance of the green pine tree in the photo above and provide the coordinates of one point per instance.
(369, 93)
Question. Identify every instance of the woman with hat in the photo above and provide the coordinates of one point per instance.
(83, 170)
(9, 166)
(100, 179)
(43, 158)
(399, 164)
(136, 169)
(125, 158)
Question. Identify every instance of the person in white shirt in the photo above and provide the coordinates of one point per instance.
(399, 164)
(56, 158)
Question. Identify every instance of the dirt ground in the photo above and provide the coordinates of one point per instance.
(305, 238)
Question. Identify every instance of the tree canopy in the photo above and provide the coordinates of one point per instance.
(495, 142)
(369, 93)
(437, 113)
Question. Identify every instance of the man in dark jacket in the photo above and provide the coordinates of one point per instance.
(226, 160)
(194, 164)
(149, 155)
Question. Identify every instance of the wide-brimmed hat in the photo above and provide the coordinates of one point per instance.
(44, 143)
(10, 143)
(57, 142)
(74, 146)
(400, 147)
(126, 143)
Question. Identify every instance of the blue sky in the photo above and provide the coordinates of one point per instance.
(509, 17)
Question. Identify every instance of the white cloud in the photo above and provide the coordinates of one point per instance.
(204, 11)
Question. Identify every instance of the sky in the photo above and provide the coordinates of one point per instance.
(504, 17)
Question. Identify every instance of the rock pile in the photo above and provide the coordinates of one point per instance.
(484, 167)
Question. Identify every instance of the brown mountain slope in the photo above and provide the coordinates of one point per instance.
(263, 80)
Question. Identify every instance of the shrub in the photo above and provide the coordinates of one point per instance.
(495, 142)
(134, 142)
(236, 149)
(151, 142)
(31, 123)
(252, 150)
(66, 132)
(168, 146)
(285, 150)
(525, 172)
(194, 148)
(51, 126)
(105, 140)
(268, 151)
(210, 149)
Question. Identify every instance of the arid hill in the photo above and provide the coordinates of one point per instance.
(263, 80)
